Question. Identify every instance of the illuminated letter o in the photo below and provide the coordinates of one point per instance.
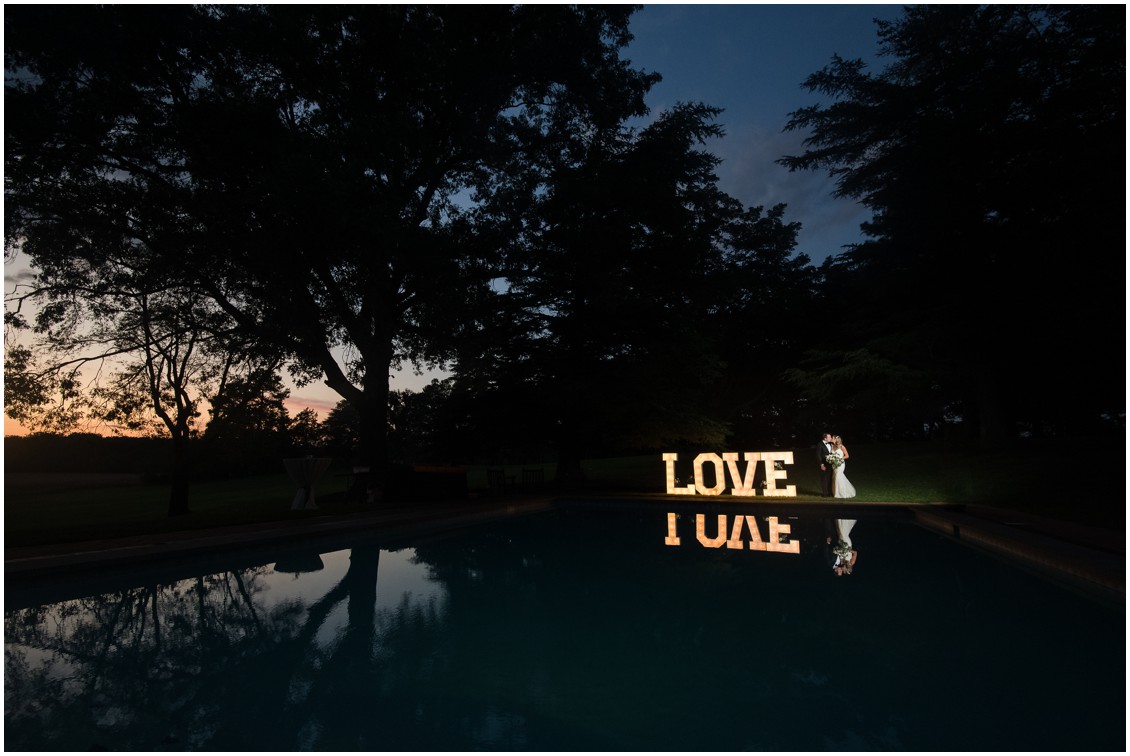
(719, 474)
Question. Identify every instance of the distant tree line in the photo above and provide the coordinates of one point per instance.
(209, 195)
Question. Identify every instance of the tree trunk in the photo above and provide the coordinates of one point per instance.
(178, 496)
(373, 413)
(371, 405)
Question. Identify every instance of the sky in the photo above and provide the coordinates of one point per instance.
(750, 60)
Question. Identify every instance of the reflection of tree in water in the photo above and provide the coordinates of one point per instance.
(181, 665)
(104, 664)
(579, 631)
(542, 639)
(206, 663)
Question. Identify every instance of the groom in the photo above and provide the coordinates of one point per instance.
(823, 449)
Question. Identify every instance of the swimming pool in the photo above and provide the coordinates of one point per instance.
(583, 628)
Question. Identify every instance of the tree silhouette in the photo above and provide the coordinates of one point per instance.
(762, 297)
(631, 275)
(248, 427)
(990, 150)
(188, 662)
(153, 354)
(146, 655)
(313, 170)
(341, 428)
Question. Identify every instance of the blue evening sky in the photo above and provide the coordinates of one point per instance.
(751, 60)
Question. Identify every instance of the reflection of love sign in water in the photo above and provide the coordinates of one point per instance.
(737, 534)
(742, 485)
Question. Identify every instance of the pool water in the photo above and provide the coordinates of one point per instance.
(579, 629)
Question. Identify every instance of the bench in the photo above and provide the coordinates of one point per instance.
(533, 478)
(499, 481)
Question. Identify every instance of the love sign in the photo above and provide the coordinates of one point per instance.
(741, 482)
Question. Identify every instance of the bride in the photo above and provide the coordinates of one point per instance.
(841, 486)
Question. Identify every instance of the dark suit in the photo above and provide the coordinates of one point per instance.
(823, 451)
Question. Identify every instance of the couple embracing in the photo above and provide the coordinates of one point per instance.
(832, 456)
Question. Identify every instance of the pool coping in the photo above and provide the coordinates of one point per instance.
(1089, 559)
(1096, 571)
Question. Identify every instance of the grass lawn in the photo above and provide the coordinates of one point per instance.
(1055, 482)
(82, 507)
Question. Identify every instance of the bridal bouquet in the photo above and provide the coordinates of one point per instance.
(834, 461)
(842, 550)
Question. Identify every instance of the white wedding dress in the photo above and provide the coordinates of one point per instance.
(841, 486)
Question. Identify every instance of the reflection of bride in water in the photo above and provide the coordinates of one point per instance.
(845, 555)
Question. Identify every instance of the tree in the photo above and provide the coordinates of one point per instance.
(248, 428)
(612, 334)
(762, 297)
(113, 344)
(304, 432)
(313, 170)
(156, 354)
(423, 427)
(991, 150)
(341, 429)
(29, 393)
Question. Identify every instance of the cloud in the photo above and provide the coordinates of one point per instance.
(750, 173)
(322, 404)
(17, 272)
(24, 277)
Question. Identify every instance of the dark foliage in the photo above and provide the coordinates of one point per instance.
(642, 306)
(361, 188)
(992, 152)
(313, 170)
